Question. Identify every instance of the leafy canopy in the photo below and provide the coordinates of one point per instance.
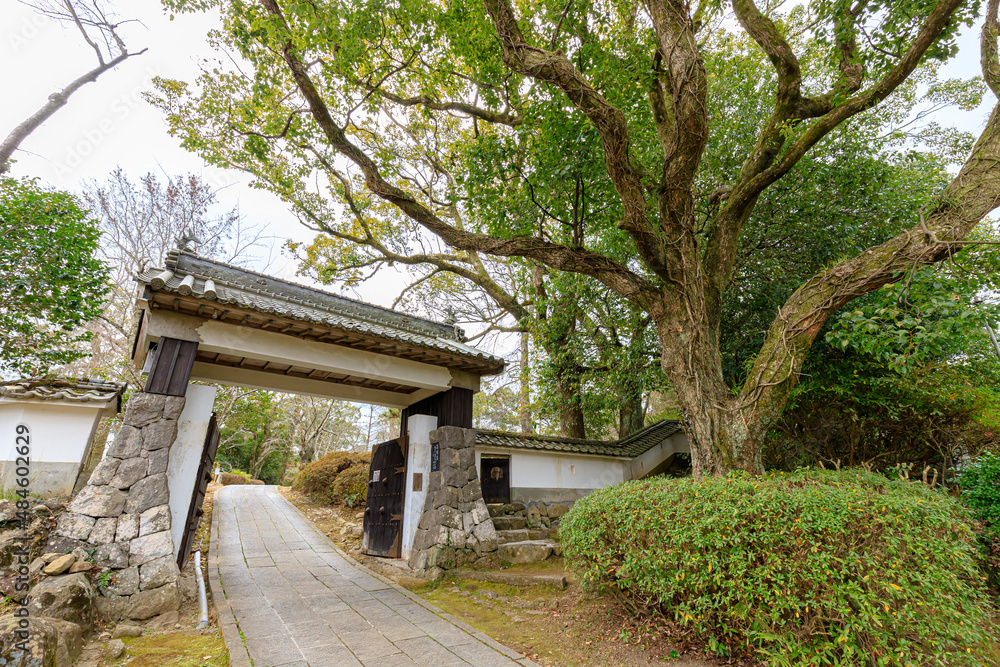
(51, 281)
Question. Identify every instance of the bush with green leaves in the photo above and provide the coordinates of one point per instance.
(980, 484)
(813, 567)
(317, 479)
(351, 486)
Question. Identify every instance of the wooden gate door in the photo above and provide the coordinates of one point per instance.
(200, 486)
(383, 524)
(494, 474)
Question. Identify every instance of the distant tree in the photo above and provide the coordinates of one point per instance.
(318, 426)
(139, 222)
(100, 31)
(51, 280)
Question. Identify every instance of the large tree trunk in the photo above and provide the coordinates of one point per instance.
(720, 436)
(571, 422)
(632, 412)
(524, 398)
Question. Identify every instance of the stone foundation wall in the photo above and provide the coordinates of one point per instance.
(123, 513)
(455, 528)
(518, 515)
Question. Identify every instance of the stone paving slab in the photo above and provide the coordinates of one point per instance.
(288, 597)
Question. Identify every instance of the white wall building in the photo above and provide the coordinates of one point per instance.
(529, 468)
(61, 417)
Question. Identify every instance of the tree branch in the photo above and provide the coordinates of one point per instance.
(614, 275)
(764, 168)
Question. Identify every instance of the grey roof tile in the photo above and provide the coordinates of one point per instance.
(628, 447)
(250, 290)
(63, 389)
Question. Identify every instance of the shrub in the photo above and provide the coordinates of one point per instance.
(228, 478)
(812, 567)
(316, 479)
(351, 485)
(980, 484)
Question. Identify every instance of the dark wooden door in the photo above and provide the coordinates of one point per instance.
(383, 524)
(494, 474)
(200, 486)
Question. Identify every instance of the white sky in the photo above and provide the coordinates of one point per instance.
(107, 124)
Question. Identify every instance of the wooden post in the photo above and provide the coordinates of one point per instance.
(172, 366)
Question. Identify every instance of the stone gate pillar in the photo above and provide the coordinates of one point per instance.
(124, 511)
(124, 514)
(455, 527)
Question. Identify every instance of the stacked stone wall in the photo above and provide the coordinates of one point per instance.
(124, 515)
(519, 515)
(455, 528)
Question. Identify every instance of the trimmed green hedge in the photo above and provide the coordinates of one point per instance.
(317, 479)
(813, 567)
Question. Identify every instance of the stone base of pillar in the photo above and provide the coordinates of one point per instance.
(455, 528)
(123, 513)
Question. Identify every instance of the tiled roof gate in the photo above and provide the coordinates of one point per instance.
(214, 290)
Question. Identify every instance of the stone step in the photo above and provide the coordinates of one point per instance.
(529, 551)
(515, 578)
(510, 522)
(525, 534)
(520, 522)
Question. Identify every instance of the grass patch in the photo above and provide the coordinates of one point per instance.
(175, 650)
(555, 627)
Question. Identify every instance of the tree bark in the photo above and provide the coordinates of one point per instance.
(632, 413)
(525, 387)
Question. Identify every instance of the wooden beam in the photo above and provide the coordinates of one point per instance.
(172, 365)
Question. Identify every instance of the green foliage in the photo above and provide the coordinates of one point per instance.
(805, 568)
(318, 479)
(51, 282)
(351, 485)
(907, 375)
(980, 483)
(546, 176)
(104, 579)
(253, 436)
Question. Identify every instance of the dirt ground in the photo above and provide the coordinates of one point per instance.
(553, 627)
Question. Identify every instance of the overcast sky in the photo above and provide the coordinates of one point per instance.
(107, 123)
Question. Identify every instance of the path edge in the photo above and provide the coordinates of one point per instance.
(429, 606)
(238, 654)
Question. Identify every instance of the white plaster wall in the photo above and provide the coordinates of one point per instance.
(542, 470)
(418, 460)
(60, 433)
(185, 455)
(647, 461)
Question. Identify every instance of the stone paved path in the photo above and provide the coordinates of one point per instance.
(292, 598)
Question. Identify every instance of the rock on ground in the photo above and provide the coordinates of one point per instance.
(68, 598)
(52, 642)
(529, 551)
